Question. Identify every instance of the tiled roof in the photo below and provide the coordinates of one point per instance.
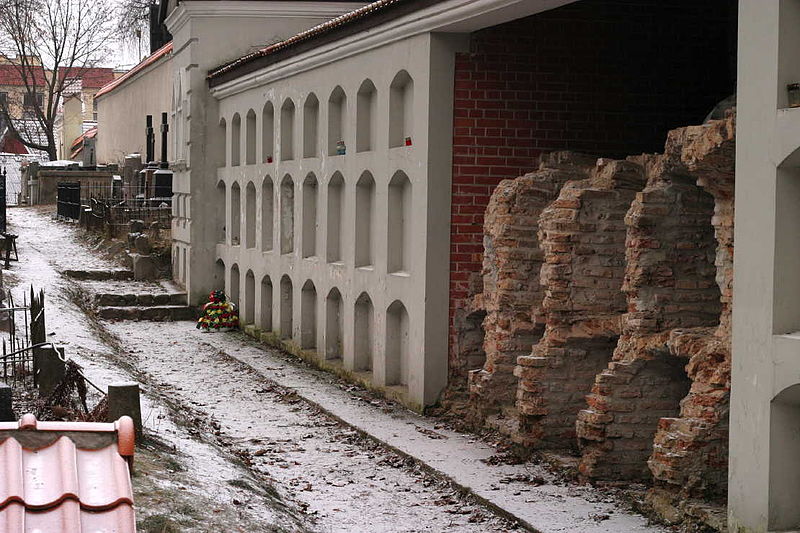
(66, 477)
(331, 29)
(10, 75)
(149, 60)
(91, 78)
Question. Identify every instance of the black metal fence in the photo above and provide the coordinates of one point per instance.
(18, 327)
(69, 200)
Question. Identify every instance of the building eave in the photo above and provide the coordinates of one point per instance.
(415, 18)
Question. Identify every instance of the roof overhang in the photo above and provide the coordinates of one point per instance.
(335, 41)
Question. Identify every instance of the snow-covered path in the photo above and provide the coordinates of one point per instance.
(303, 428)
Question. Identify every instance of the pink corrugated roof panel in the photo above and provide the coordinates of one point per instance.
(66, 477)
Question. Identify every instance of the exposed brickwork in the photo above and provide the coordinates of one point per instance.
(512, 261)
(605, 77)
(691, 452)
(678, 287)
(582, 235)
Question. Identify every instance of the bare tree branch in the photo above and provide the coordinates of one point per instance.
(50, 44)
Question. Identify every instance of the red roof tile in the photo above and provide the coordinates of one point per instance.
(10, 75)
(91, 78)
(66, 477)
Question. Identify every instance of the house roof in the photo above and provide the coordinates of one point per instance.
(365, 17)
(10, 76)
(91, 78)
(146, 62)
(70, 477)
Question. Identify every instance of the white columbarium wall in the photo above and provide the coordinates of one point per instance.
(360, 240)
(207, 33)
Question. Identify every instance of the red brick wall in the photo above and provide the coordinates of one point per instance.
(606, 77)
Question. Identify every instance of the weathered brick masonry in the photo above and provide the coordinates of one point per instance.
(604, 77)
(661, 406)
(607, 288)
(582, 235)
(512, 261)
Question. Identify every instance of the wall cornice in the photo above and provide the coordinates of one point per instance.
(454, 16)
(213, 8)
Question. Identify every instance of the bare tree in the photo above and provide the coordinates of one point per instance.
(133, 22)
(49, 44)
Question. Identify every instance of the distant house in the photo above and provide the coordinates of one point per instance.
(77, 110)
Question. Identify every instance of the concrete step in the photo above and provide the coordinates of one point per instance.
(99, 275)
(140, 300)
(160, 313)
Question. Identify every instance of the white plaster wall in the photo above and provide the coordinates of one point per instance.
(427, 163)
(765, 404)
(206, 34)
(121, 113)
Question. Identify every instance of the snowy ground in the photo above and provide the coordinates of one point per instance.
(298, 429)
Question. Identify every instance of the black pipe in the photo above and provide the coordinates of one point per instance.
(164, 130)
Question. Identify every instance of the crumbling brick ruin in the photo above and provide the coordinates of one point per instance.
(607, 293)
(512, 261)
(582, 235)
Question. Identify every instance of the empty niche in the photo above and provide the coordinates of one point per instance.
(401, 104)
(233, 290)
(267, 132)
(236, 140)
(221, 200)
(267, 213)
(250, 215)
(219, 147)
(308, 316)
(310, 216)
(396, 344)
(366, 116)
(364, 232)
(266, 304)
(399, 232)
(249, 309)
(287, 130)
(287, 215)
(286, 307)
(250, 138)
(334, 225)
(236, 214)
(333, 325)
(363, 330)
(219, 275)
(310, 122)
(337, 114)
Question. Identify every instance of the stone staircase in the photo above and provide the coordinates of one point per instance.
(125, 299)
(156, 307)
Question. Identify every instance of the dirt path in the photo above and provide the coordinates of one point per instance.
(300, 459)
